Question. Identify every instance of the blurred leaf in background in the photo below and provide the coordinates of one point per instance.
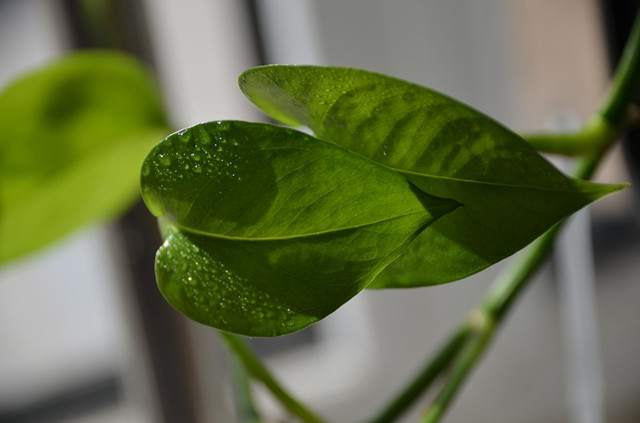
(73, 135)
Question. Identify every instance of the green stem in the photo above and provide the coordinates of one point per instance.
(516, 275)
(466, 346)
(613, 117)
(497, 302)
(414, 390)
(593, 140)
(247, 411)
(256, 369)
(482, 326)
(626, 81)
(490, 315)
(466, 349)
(587, 140)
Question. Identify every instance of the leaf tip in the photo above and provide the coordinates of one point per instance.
(601, 190)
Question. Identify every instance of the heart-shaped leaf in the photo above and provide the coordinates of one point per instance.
(72, 137)
(268, 230)
(510, 194)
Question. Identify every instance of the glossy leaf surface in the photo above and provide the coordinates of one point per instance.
(510, 194)
(73, 135)
(268, 230)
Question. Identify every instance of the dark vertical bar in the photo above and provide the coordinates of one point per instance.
(618, 18)
(120, 24)
(253, 17)
(166, 342)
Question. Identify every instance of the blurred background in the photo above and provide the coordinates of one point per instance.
(86, 337)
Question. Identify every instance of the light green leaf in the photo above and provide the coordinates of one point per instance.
(73, 135)
(510, 194)
(268, 230)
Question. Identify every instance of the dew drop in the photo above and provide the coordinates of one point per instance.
(222, 125)
(146, 169)
(164, 160)
(197, 169)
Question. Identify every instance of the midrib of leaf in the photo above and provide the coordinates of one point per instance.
(199, 232)
(589, 189)
(428, 109)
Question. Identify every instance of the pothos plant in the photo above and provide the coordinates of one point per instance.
(268, 229)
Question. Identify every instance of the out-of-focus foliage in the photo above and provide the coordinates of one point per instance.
(73, 135)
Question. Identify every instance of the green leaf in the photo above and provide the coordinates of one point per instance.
(268, 230)
(73, 135)
(510, 194)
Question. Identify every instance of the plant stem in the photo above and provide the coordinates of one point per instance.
(497, 302)
(467, 345)
(626, 80)
(424, 379)
(246, 409)
(516, 275)
(489, 316)
(584, 141)
(482, 326)
(614, 115)
(256, 369)
(593, 140)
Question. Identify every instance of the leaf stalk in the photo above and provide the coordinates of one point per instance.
(626, 81)
(425, 378)
(482, 326)
(616, 114)
(246, 409)
(256, 369)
